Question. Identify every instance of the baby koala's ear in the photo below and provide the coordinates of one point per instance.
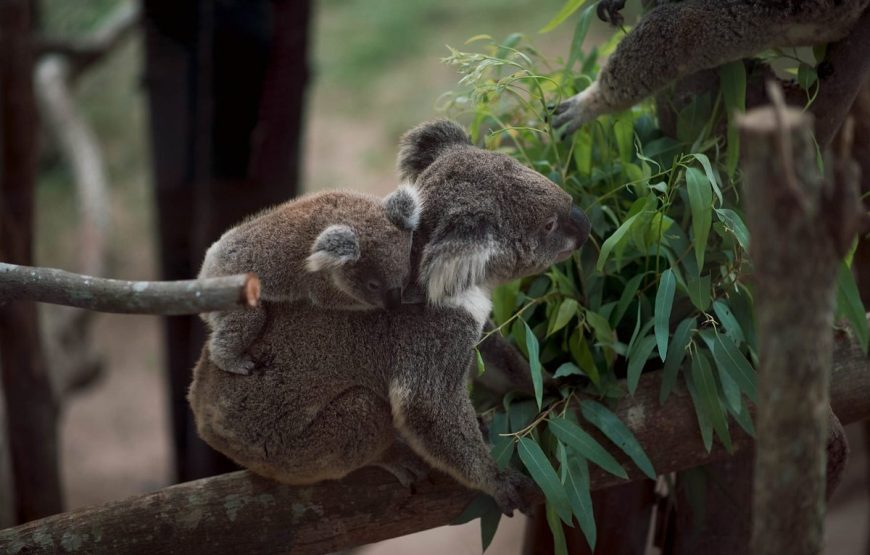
(403, 207)
(335, 246)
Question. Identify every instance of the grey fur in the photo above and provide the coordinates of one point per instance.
(674, 40)
(420, 146)
(403, 207)
(335, 249)
(311, 412)
(335, 246)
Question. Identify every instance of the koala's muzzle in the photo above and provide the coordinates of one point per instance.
(392, 298)
(578, 226)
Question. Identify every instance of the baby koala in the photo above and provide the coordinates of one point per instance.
(338, 249)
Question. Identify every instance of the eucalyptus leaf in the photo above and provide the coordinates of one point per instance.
(701, 203)
(708, 394)
(664, 304)
(560, 546)
(637, 359)
(850, 306)
(729, 322)
(544, 475)
(732, 81)
(730, 360)
(533, 348)
(488, 526)
(612, 427)
(567, 10)
(577, 486)
(568, 369)
(584, 444)
(734, 223)
(567, 310)
(613, 241)
(676, 355)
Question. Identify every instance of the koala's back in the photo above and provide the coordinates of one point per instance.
(275, 243)
(318, 407)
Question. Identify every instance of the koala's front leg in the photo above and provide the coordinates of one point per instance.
(232, 332)
(442, 427)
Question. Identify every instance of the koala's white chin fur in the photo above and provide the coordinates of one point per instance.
(453, 275)
(475, 300)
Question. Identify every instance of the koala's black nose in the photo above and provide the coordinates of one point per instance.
(580, 224)
(393, 298)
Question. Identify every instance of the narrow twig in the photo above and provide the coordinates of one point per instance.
(48, 285)
(83, 53)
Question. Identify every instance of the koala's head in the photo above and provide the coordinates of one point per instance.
(370, 259)
(487, 219)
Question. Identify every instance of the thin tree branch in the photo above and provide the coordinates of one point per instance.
(243, 513)
(48, 285)
(83, 53)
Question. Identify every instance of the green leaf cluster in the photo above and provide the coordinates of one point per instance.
(662, 284)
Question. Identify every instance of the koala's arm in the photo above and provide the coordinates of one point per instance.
(441, 426)
(677, 39)
(232, 332)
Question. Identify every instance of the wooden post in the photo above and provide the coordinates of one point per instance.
(226, 82)
(31, 407)
(801, 226)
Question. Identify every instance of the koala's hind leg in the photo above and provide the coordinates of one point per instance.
(232, 332)
(442, 427)
(401, 461)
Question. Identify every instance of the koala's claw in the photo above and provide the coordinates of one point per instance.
(242, 364)
(514, 491)
(608, 11)
(581, 108)
(407, 472)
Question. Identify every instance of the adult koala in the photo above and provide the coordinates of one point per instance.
(332, 389)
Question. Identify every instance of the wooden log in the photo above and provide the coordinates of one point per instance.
(801, 226)
(192, 296)
(242, 513)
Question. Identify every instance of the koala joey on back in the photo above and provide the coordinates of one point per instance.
(310, 412)
(336, 249)
(678, 38)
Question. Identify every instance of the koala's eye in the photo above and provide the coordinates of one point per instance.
(373, 285)
(550, 225)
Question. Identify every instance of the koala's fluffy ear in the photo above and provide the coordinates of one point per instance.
(422, 145)
(456, 257)
(335, 246)
(403, 207)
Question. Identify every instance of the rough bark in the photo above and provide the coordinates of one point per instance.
(241, 513)
(850, 66)
(31, 407)
(193, 296)
(801, 226)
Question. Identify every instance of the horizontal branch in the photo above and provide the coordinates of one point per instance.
(243, 513)
(83, 53)
(48, 285)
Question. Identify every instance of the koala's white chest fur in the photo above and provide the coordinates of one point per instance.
(475, 300)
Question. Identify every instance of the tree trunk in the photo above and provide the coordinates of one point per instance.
(31, 408)
(800, 227)
(226, 84)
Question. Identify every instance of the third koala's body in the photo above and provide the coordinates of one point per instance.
(336, 249)
(677, 38)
